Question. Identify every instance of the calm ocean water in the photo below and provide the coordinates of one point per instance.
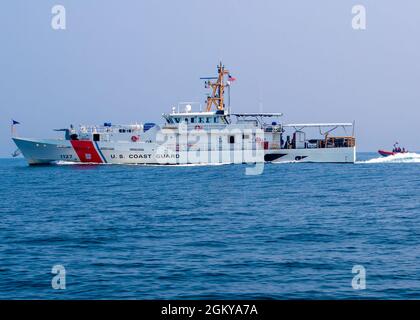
(135, 232)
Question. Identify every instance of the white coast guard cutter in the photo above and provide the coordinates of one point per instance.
(204, 137)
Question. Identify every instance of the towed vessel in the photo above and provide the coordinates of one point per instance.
(187, 136)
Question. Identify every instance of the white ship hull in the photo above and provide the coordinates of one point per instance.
(197, 137)
(40, 151)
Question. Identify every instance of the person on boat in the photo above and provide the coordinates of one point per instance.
(287, 143)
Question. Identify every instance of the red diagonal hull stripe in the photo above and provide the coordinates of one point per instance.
(86, 151)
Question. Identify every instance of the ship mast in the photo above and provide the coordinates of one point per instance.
(218, 89)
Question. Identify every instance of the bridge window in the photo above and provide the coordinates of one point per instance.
(192, 120)
(215, 119)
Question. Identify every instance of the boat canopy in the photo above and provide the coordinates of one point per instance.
(306, 125)
(329, 126)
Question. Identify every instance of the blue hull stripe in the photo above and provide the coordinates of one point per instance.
(100, 152)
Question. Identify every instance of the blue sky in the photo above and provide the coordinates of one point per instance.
(127, 61)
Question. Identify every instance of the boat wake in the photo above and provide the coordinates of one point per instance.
(65, 163)
(284, 162)
(72, 163)
(409, 157)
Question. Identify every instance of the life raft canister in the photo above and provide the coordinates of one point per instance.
(135, 138)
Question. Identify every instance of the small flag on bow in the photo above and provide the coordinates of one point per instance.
(14, 122)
